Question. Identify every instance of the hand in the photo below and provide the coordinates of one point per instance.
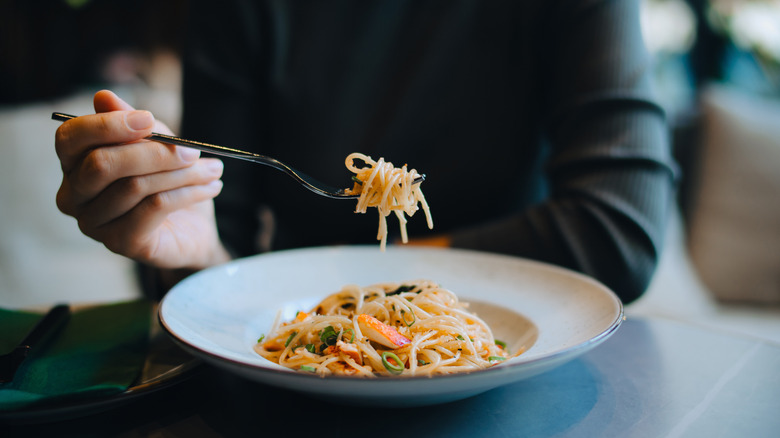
(149, 201)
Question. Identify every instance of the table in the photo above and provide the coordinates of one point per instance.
(654, 377)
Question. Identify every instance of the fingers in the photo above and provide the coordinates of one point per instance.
(124, 195)
(101, 167)
(115, 122)
(140, 198)
(76, 137)
(139, 234)
(100, 149)
(106, 101)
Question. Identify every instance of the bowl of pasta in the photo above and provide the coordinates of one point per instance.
(407, 326)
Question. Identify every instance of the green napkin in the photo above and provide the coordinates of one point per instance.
(100, 351)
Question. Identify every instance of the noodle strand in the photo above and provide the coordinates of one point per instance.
(390, 190)
(434, 332)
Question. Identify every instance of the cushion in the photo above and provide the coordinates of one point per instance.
(734, 236)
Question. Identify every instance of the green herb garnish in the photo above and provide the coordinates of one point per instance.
(401, 289)
(403, 317)
(395, 368)
(328, 335)
(292, 335)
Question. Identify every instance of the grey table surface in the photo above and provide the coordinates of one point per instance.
(653, 378)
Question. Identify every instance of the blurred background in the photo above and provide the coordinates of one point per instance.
(717, 71)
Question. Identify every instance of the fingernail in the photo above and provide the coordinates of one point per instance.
(215, 166)
(188, 154)
(138, 120)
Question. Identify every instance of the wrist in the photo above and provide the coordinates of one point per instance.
(163, 279)
(216, 257)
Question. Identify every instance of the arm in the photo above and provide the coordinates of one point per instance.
(610, 170)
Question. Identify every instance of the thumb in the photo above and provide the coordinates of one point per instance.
(106, 100)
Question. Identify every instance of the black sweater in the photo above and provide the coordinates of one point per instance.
(533, 120)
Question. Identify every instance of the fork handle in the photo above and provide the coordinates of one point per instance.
(201, 146)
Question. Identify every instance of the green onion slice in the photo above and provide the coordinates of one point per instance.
(353, 335)
(403, 317)
(501, 344)
(354, 178)
(495, 358)
(308, 368)
(394, 368)
(260, 339)
(328, 335)
(402, 289)
(310, 348)
(292, 335)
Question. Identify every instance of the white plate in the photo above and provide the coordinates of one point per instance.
(556, 314)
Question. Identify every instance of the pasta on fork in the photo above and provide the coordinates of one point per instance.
(388, 188)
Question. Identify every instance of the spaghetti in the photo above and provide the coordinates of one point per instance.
(389, 189)
(409, 329)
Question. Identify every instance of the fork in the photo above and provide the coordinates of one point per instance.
(305, 180)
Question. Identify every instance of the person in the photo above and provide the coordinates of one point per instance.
(534, 121)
